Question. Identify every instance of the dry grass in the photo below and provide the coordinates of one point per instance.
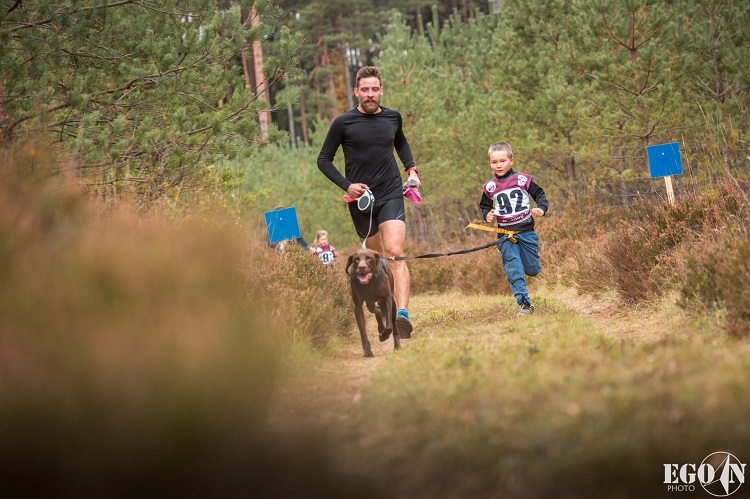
(565, 403)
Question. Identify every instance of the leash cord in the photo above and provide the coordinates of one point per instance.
(458, 252)
(369, 229)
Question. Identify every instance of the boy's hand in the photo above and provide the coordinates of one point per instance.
(490, 216)
(537, 212)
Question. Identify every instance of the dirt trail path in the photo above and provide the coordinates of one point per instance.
(327, 393)
(639, 324)
(315, 399)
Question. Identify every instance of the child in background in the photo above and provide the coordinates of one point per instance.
(505, 198)
(323, 248)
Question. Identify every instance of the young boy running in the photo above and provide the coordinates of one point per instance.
(505, 198)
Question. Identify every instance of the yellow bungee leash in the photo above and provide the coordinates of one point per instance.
(497, 230)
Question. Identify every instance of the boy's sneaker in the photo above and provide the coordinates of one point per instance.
(526, 309)
(403, 322)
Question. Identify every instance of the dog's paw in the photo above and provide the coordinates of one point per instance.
(368, 353)
(385, 334)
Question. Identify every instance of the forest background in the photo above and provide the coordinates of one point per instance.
(151, 98)
(143, 139)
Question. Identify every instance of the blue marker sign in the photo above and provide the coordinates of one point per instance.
(282, 225)
(664, 160)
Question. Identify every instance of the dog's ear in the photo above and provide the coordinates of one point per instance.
(376, 257)
(349, 262)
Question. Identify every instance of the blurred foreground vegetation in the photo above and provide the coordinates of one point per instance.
(138, 350)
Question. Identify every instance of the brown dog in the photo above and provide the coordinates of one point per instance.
(372, 284)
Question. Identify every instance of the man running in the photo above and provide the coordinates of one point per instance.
(368, 135)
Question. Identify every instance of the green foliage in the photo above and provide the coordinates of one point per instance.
(579, 91)
(289, 176)
(145, 94)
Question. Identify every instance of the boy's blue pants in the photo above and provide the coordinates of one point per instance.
(521, 258)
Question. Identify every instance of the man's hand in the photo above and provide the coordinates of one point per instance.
(413, 175)
(490, 216)
(356, 190)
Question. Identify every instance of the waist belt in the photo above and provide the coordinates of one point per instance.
(496, 230)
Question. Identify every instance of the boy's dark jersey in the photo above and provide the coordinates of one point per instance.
(535, 192)
(368, 142)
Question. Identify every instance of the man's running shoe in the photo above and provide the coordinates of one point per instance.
(403, 322)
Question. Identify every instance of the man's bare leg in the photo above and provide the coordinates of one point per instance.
(391, 238)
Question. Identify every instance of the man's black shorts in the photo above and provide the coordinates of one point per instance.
(391, 209)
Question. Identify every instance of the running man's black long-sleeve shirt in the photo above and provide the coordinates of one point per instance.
(368, 141)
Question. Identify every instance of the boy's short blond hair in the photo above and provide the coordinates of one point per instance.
(500, 146)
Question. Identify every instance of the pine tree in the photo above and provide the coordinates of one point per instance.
(147, 94)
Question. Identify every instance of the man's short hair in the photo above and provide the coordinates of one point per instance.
(369, 72)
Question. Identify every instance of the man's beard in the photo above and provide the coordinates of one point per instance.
(370, 106)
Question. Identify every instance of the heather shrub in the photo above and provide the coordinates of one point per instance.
(715, 279)
(476, 272)
(643, 249)
(134, 357)
(592, 271)
(571, 242)
(312, 302)
(717, 272)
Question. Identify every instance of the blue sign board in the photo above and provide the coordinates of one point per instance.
(664, 160)
(282, 225)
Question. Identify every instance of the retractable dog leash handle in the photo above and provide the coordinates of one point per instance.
(365, 201)
(364, 204)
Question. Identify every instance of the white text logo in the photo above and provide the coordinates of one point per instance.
(720, 474)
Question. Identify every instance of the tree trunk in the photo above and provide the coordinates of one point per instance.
(325, 62)
(303, 119)
(261, 89)
(290, 116)
(4, 118)
(348, 78)
(246, 70)
(418, 224)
